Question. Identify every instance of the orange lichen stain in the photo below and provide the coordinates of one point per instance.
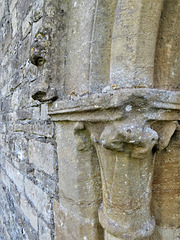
(73, 92)
(39, 35)
(114, 86)
(140, 86)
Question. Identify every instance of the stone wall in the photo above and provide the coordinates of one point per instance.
(28, 159)
(89, 108)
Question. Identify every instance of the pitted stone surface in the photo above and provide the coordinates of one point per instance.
(24, 128)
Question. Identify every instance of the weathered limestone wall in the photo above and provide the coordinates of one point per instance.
(89, 134)
(28, 159)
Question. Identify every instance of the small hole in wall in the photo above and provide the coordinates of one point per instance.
(39, 95)
(154, 149)
(40, 61)
(128, 130)
(37, 60)
(61, 11)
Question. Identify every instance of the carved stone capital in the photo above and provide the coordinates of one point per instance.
(125, 126)
(130, 137)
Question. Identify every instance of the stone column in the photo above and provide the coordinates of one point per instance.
(167, 64)
(133, 43)
(76, 212)
(165, 197)
(126, 160)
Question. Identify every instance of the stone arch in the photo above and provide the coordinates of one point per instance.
(167, 65)
(91, 50)
(100, 52)
(133, 43)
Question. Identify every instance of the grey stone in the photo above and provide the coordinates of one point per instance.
(29, 212)
(44, 231)
(40, 199)
(43, 156)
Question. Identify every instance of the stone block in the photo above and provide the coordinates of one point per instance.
(22, 127)
(23, 115)
(14, 22)
(15, 194)
(4, 90)
(2, 138)
(3, 231)
(15, 81)
(12, 5)
(165, 195)
(6, 104)
(43, 128)
(44, 231)
(44, 112)
(42, 155)
(4, 178)
(2, 7)
(24, 97)
(19, 146)
(27, 25)
(14, 100)
(165, 233)
(2, 128)
(15, 176)
(47, 183)
(29, 212)
(72, 225)
(36, 113)
(36, 26)
(40, 199)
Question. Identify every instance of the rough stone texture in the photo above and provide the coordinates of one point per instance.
(29, 213)
(73, 221)
(88, 149)
(167, 65)
(24, 128)
(42, 155)
(45, 232)
(133, 45)
(166, 185)
(39, 199)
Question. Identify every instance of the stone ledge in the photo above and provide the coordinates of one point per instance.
(115, 105)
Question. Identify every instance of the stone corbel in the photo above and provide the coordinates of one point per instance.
(126, 127)
(40, 56)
